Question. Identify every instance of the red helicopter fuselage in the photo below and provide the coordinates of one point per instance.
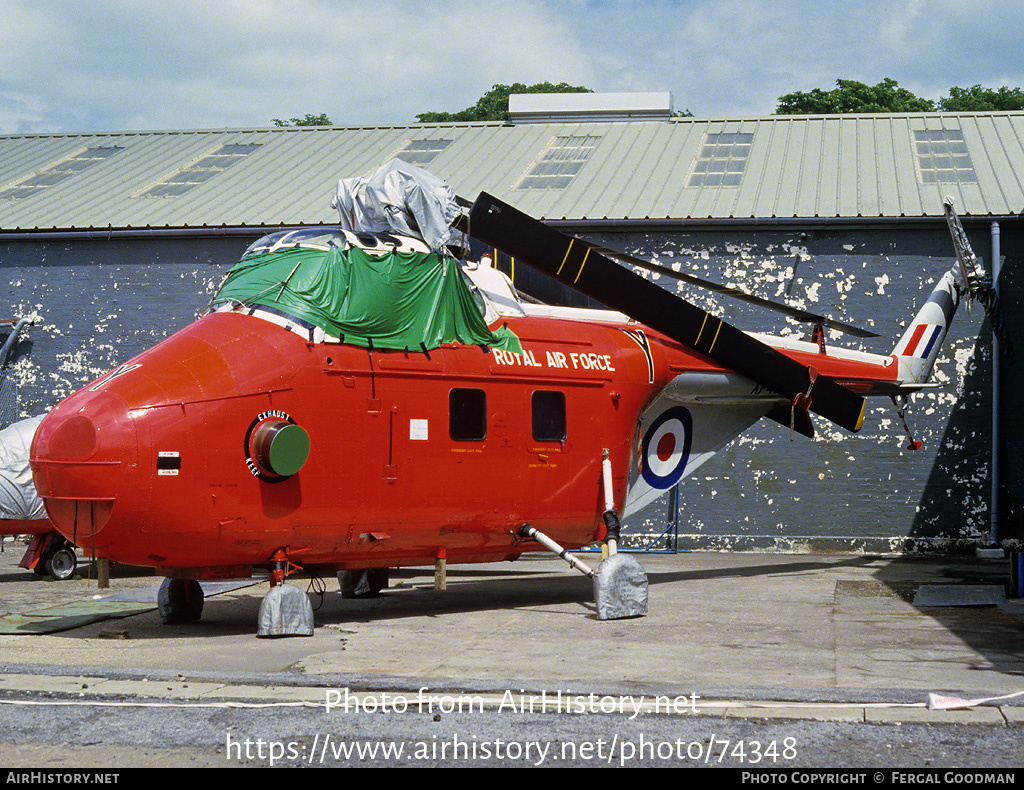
(253, 436)
(412, 456)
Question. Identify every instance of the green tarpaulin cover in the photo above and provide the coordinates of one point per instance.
(395, 300)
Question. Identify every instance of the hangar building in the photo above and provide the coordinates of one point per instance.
(110, 242)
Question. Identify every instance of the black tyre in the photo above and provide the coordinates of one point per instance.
(62, 563)
(365, 583)
(180, 601)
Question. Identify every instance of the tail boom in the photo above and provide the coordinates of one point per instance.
(919, 347)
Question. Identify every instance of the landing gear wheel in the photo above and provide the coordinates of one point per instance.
(180, 601)
(57, 559)
(62, 563)
(363, 583)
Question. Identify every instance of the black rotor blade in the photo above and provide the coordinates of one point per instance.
(575, 264)
(735, 293)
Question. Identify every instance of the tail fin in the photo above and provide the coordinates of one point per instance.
(919, 347)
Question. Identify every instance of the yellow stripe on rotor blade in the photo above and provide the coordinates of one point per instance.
(712, 346)
(584, 263)
(701, 332)
(567, 251)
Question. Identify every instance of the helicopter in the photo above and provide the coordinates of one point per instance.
(357, 399)
(21, 511)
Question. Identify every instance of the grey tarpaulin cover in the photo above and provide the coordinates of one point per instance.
(18, 497)
(399, 198)
(285, 611)
(620, 588)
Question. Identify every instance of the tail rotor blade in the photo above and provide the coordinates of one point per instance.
(977, 282)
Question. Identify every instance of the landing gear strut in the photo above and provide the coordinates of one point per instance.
(620, 583)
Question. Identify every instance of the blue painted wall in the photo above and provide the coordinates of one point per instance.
(101, 302)
(844, 491)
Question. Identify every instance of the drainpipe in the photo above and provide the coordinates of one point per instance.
(1016, 587)
(994, 520)
(11, 338)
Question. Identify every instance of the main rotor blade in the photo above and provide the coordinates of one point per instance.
(735, 293)
(577, 265)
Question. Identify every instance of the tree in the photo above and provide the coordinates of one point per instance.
(309, 120)
(851, 96)
(493, 105)
(978, 99)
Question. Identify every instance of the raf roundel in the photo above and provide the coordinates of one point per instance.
(666, 448)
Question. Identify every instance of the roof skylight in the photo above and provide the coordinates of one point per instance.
(203, 169)
(559, 163)
(721, 160)
(422, 152)
(942, 157)
(58, 171)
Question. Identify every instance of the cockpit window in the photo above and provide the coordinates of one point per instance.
(310, 238)
(478, 298)
(325, 238)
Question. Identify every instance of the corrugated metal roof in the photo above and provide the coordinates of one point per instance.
(877, 166)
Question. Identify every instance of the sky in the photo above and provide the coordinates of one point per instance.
(96, 66)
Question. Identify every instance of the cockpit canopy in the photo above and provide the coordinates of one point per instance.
(326, 238)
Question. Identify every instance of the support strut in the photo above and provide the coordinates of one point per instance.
(285, 610)
(610, 516)
(529, 533)
(914, 443)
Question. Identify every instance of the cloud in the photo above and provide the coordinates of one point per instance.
(105, 65)
(113, 66)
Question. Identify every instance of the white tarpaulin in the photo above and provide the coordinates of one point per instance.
(399, 198)
(18, 497)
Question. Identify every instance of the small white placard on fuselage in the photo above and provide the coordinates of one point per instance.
(418, 430)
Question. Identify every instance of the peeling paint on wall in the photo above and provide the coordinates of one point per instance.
(100, 303)
(764, 491)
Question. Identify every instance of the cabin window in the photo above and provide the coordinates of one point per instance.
(548, 416)
(467, 415)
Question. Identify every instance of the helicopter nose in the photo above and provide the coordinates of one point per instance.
(80, 457)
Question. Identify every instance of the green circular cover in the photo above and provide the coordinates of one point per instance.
(289, 449)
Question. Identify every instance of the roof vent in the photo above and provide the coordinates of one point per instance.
(592, 107)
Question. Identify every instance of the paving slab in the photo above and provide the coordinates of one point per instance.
(959, 595)
(840, 630)
(980, 715)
